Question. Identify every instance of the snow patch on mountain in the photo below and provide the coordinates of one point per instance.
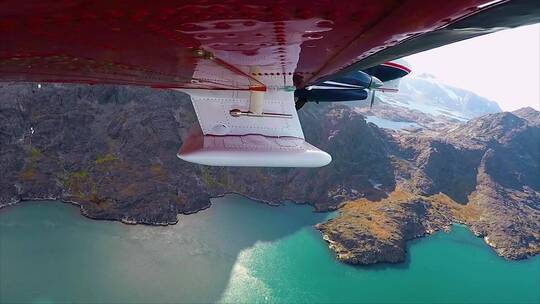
(425, 102)
(427, 94)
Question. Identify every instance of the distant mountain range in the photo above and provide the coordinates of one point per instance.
(425, 92)
(423, 101)
(112, 150)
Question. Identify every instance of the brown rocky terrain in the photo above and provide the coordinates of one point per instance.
(484, 174)
(112, 150)
(368, 232)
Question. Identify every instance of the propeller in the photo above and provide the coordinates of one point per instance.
(372, 99)
(374, 86)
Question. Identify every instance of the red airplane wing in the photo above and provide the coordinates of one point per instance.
(223, 44)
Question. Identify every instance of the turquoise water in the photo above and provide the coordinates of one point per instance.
(236, 251)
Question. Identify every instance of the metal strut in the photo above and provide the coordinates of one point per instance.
(256, 101)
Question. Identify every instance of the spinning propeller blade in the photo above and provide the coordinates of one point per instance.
(372, 99)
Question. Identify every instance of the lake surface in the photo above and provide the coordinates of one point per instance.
(390, 124)
(236, 251)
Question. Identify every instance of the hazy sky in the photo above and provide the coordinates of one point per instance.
(503, 66)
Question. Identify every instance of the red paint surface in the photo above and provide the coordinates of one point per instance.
(397, 66)
(155, 43)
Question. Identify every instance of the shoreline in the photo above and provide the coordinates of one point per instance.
(333, 245)
(128, 221)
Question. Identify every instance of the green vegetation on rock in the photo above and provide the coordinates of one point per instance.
(105, 159)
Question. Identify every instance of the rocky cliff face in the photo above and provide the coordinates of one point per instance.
(113, 151)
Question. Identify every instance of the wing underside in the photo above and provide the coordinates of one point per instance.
(225, 45)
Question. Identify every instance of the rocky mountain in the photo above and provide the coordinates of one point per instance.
(425, 102)
(425, 91)
(529, 114)
(485, 174)
(112, 150)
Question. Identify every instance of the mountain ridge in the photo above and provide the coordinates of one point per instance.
(426, 103)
